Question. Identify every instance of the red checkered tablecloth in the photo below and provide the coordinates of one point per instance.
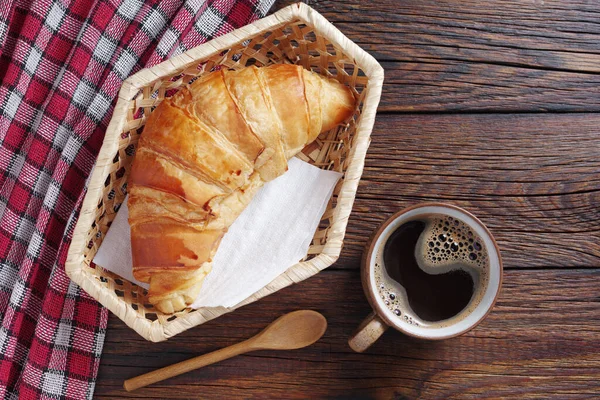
(61, 66)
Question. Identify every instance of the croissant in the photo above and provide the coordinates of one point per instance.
(203, 155)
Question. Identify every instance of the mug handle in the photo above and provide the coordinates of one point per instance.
(367, 333)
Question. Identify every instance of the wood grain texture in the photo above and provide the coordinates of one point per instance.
(459, 86)
(491, 106)
(454, 56)
(534, 34)
(542, 337)
(533, 179)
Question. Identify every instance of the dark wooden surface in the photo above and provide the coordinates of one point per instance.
(492, 106)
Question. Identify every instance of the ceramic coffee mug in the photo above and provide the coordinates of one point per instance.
(383, 317)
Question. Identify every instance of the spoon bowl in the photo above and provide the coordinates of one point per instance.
(291, 331)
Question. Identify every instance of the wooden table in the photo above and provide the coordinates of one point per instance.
(492, 106)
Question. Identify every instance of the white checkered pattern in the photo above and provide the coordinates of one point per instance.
(84, 93)
(12, 104)
(99, 107)
(7, 281)
(105, 49)
(25, 230)
(55, 16)
(125, 64)
(35, 244)
(167, 41)
(208, 23)
(51, 195)
(129, 9)
(53, 383)
(155, 23)
(35, 55)
(41, 184)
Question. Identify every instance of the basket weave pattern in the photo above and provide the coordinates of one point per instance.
(295, 34)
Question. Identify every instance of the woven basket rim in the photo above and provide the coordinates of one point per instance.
(299, 12)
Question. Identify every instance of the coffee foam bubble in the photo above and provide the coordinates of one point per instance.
(446, 244)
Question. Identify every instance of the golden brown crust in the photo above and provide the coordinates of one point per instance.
(203, 155)
(252, 98)
(170, 246)
(286, 87)
(149, 205)
(312, 95)
(208, 100)
(188, 141)
(157, 171)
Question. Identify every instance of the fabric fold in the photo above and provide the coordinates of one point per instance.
(62, 63)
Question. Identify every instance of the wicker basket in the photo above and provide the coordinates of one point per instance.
(296, 34)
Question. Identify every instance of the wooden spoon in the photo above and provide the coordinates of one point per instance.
(291, 331)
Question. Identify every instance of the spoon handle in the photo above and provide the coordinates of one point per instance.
(187, 366)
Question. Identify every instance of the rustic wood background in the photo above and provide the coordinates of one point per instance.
(492, 106)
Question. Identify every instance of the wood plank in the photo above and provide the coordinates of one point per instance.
(551, 34)
(542, 338)
(459, 86)
(533, 179)
(478, 56)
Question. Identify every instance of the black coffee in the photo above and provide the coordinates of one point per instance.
(432, 297)
(431, 267)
